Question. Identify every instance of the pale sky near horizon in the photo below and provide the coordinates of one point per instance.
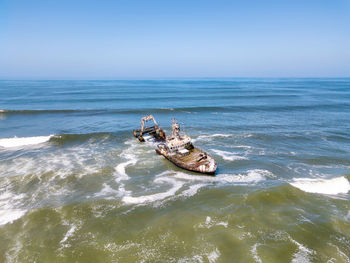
(84, 39)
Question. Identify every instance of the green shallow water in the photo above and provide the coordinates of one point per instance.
(230, 224)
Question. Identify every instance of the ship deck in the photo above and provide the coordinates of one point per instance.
(192, 157)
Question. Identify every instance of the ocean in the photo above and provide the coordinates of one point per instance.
(76, 186)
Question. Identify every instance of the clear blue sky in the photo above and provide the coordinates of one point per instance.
(111, 39)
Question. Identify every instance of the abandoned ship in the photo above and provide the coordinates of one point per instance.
(177, 147)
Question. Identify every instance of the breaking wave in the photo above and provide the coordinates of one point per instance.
(23, 141)
(59, 139)
(339, 185)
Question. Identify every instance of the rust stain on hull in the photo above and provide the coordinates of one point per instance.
(196, 161)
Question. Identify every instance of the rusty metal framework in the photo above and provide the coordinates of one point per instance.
(154, 130)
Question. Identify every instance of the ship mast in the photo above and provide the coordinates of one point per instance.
(175, 128)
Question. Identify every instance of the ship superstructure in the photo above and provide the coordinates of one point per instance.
(178, 149)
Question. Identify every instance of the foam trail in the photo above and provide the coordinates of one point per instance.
(252, 176)
(215, 135)
(339, 185)
(69, 233)
(229, 156)
(120, 168)
(210, 137)
(254, 252)
(303, 254)
(155, 197)
(23, 141)
(241, 146)
(192, 190)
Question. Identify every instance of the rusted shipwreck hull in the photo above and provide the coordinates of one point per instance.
(196, 160)
(177, 147)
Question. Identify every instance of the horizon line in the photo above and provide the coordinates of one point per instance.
(162, 78)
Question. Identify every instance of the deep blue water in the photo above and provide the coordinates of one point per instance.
(286, 105)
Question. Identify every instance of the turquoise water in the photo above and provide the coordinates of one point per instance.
(75, 185)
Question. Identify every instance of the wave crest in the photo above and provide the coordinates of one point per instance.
(23, 141)
(339, 185)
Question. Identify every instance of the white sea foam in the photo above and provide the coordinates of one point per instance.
(106, 191)
(339, 185)
(259, 174)
(9, 206)
(210, 137)
(62, 162)
(69, 233)
(176, 185)
(209, 222)
(229, 156)
(46, 174)
(195, 258)
(12, 253)
(254, 251)
(241, 146)
(224, 224)
(10, 215)
(214, 255)
(303, 253)
(23, 141)
(131, 159)
(251, 176)
(192, 190)
(215, 135)
(196, 182)
(120, 168)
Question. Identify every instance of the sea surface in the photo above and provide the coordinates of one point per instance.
(76, 186)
